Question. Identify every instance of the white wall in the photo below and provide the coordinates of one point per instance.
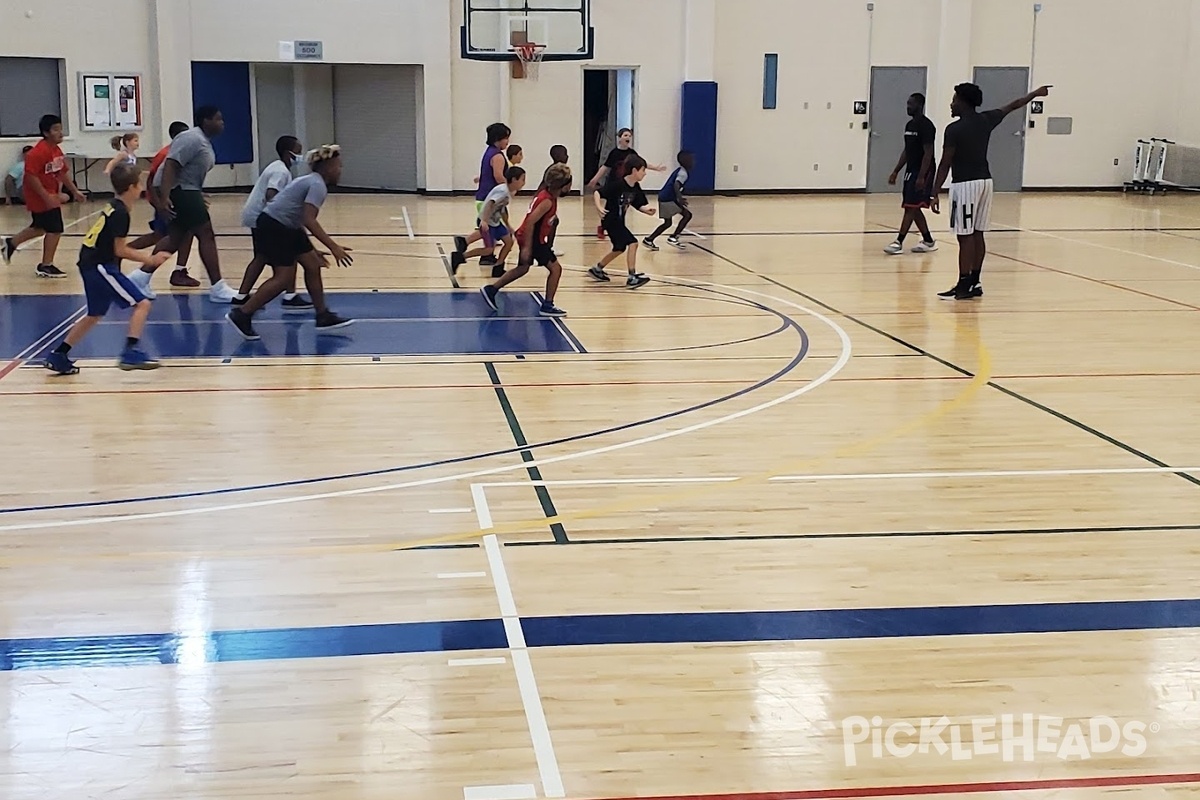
(1113, 91)
(49, 33)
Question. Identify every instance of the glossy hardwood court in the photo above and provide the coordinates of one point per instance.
(744, 531)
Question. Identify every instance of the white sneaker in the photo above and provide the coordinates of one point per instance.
(221, 292)
(894, 249)
(141, 280)
(925, 247)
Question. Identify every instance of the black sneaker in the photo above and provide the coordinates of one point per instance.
(649, 245)
(499, 270)
(50, 271)
(636, 281)
(9, 249)
(953, 291)
(598, 273)
(489, 296)
(297, 303)
(239, 301)
(460, 244)
(487, 261)
(241, 320)
(456, 260)
(330, 321)
(674, 242)
(548, 309)
(969, 292)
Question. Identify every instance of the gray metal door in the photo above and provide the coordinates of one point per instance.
(1006, 156)
(890, 88)
(375, 122)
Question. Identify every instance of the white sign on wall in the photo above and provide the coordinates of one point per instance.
(109, 102)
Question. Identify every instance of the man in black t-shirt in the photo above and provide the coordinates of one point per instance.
(103, 283)
(917, 161)
(965, 152)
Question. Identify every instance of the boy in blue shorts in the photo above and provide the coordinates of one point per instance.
(493, 224)
(104, 284)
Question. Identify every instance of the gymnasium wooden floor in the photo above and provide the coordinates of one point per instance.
(675, 545)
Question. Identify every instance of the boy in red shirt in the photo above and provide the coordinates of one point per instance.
(160, 223)
(45, 175)
(533, 238)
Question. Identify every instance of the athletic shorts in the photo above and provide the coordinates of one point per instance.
(494, 234)
(970, 206)
(542, 255)
(105, 285)
(619, 235)
(914, 198)
(161, 224)
(668, 210)
(277, 244)
(191, 212)
(49, 221)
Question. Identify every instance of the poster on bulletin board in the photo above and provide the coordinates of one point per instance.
(110, 102)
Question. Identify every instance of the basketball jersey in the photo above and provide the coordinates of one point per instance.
(487, 176)
(543, 227)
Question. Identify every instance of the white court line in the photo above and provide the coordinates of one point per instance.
(999, 473)
(558, 323)
(455, 575)
(482, 512)
(46, 337)
(531, 699)
(451, 510)
(693, 233)
(408, 223)
(508, 791)
(839, 364)
(475, 662)
(1113, 249)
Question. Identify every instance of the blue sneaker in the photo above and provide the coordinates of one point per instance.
(136, 359)
(548, 309)
(489, 296)
(58, 362)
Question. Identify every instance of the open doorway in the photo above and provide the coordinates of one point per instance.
(608, 102)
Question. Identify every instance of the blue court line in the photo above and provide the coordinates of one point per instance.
(783, 372)
(570, 631)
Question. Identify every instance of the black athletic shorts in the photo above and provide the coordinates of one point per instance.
(914, 198)
(542, 255)
(49, 221)
(619, 235)
(277, 244)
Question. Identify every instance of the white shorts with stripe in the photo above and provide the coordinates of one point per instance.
(970, 206)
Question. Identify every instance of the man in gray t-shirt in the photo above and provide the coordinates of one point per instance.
(180, 182)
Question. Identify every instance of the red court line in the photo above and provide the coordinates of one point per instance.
(946, 788)
(567, 385)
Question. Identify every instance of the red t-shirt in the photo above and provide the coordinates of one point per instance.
(155, 164)
(544, 225)
(45, 164)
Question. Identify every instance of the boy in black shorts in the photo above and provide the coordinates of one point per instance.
(918, 163)
(533, 237)
(103, 283)
(612, 201)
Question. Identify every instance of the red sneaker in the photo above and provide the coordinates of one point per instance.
(180, 278)
(600, 232)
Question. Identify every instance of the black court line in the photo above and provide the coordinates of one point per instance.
(535, 474)
(961, 370)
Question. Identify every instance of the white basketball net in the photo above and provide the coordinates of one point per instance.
(530, 56)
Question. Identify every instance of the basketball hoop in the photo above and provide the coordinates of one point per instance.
(529, 59)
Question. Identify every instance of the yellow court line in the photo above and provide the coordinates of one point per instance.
(982, 375)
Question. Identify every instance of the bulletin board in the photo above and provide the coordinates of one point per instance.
(110, 101)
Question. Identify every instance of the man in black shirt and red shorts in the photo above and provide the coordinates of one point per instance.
(965, 151)
(918, 164)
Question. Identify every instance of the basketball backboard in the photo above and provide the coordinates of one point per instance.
(492, 27)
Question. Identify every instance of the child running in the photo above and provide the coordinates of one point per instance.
(281, 241)
(126, 147)
(160, 223)
(493, 225)
(534, 239)
(671, 202)
(558, 155)
(491, 173)
(103, 283)
(612, 201)
(274, 177)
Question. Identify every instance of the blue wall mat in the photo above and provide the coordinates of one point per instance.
(226, 85)
(698, 132)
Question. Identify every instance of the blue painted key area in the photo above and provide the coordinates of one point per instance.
(187, 325)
